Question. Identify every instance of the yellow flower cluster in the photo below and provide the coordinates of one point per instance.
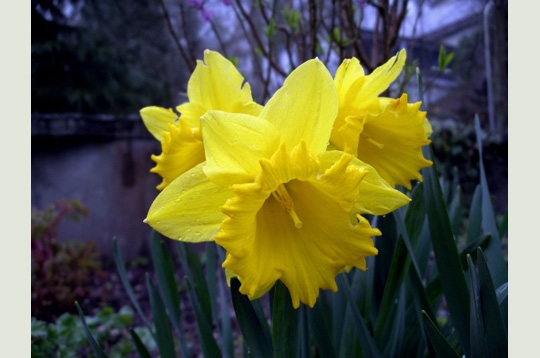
(282, 188)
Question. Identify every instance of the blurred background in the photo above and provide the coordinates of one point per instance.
(96, 63)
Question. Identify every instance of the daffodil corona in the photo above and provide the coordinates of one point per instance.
(386, 133)
(281, 205)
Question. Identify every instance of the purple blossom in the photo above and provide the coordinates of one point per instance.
(227, 2)
(361, 2)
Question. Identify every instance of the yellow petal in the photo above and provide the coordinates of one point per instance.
(381, 78)
(305, 107)
(181, 151)
(375, 195)
(157, 120)
(217, 84)
(264, 243)
(234, 143)
(349, 80)
(392, 142)
(188, 208)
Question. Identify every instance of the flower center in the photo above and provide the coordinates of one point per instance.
(282, 196)
(371, 140)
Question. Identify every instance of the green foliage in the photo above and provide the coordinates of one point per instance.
(444, 58)
(65, 337)
(292, 18)
(61, 272)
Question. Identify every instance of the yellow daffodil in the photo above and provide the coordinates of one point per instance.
(270, 194)
(386, 133)
(215, 84)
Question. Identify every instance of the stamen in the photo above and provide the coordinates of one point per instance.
(282, 196)
(370, 140)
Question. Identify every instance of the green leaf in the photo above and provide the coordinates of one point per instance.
(495, 331)
(502, 292)
(141, 348)
(204, 328)
(444, 58)
(270, 29)
(474, 229)
(93, 344)
(369, 348)
(285, 322)
(194, 271)
(446, 254)
(127, 285)
(226, 331)
(163, 329)
(210, 252)
(441, 346)
(503, 228)
(319, 323)
(392, 288)
(493, 252)
(303, 349)
(415, 215)
(255, 332)
(164, 269)
(476, 324)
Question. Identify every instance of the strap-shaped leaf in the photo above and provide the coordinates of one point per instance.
(476, 322)
(164, 335)
(91, 340)
(139, 345)
(493, 252)
(285, 322)
(495, 330)
(255, 332)
(369, 348)
(118, 260)
(204, 328)
(447, 259)
(164, 269)
(437, 340)
(320, 326)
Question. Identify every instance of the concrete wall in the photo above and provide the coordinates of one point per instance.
(109, 173)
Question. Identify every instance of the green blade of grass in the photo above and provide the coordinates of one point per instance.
(164, 269)
(495, 331)
(164, 335)
(477, 329)
(493, 252)
(439, 343)
(285, 322)
(369, 348)
(194, 271)
(446, 254)
(118, 260)
(226, 330)
(319, 323)
(91, 340)
(208, 342)
(255, 332)
(474, 228)
(139, 345)
(392, 288)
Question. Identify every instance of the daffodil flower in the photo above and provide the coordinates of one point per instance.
(270, 194)
(215, 84)
(384, 132)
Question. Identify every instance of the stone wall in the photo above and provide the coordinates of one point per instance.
(104, 163)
